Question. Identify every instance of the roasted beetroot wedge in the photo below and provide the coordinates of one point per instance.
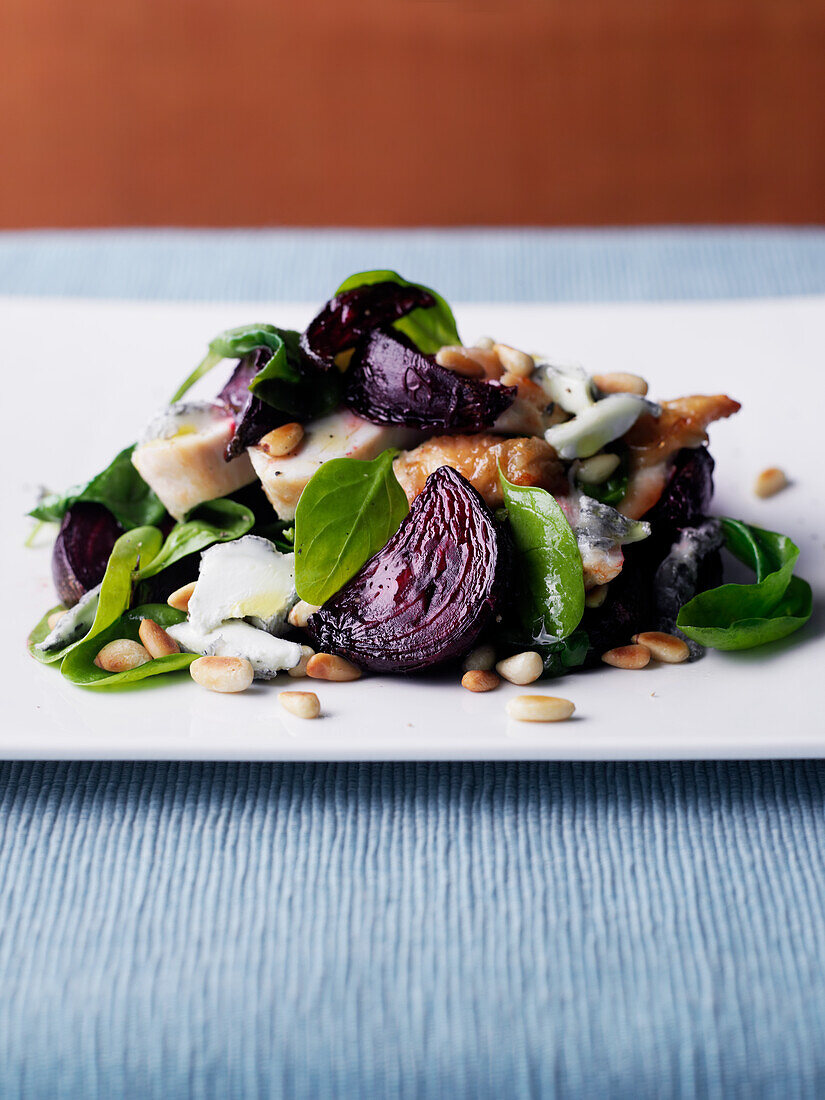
(350, 316)
(253, 419)
(427, 596)
(391, 382)
(82, 549)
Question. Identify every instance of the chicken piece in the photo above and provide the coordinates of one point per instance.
(654, 441)
(342, 434)
(181, 456)
(528, 461)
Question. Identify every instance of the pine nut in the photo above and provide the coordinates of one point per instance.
(595, 597)
(55, 618)
(477, 680)
(521, 668)
(459, 360)
(157, 642)
(282, 441)
(666, 648)
(627, 656)
(225, 674)
(770, 482)
(181, 596)
(300, 670)
(480, 659)
(299, 614)
(303, 704)
(595, 470)
(486, 343)
(328, 666)
(122, 655)
(540, 708)
(514, 361)
(620, 382)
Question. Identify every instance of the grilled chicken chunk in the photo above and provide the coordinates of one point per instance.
(654, 441)
(181, 456)
(528, 461)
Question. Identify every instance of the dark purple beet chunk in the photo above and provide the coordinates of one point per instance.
(425, 598)
(253, 419)
(390, 382)
(688, 493)
(81, 550)
(350, 316)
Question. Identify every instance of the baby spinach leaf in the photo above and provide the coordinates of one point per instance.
(39, 634)
(348, 511)
(119, 487)
(742, 616)
(233, 343)
(552, 589)
(133, 548)
(429, 329)
(282, 382)
(214, 521)
(79, 666)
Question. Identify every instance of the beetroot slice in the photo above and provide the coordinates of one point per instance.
(391, 382)
(253, 419)
(81, 550)
(350, 316)
(426, 597)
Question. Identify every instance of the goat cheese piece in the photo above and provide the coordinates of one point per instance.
(181, 456)
(598, 424)
(267, 655)
(246, 578)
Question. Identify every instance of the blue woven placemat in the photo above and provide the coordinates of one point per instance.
(507, 930)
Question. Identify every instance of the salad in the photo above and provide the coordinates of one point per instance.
(373, 495)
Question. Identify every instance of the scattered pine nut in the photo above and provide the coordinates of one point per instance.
(540, 708)
(282, 441)
(157, 642)
(666, 648)
(770, 482)
(595, 470)
(480, 659)
(486, 343)
(515, 362)
(300, 670)
(224, 674)
(627, 656)
(595, 597)
(521, 668)
(303, 704)
(459, 360)
(300, 612)
(620, 382)
(329, 666)
(478, 680)
(122, 655)
(54, 619)
(181, 596)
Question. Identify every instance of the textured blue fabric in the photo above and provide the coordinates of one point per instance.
(508, 930)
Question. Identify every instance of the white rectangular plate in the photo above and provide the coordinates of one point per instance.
(82, 377)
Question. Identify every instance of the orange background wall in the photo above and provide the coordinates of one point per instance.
(411, 112)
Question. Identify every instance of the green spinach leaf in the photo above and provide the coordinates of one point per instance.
(552, 590)
(347, 513)
(133, 549)
(214, 521)
(79, 666)
(429, 329)
(283, 382)
(742, 616)
(119, 487)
